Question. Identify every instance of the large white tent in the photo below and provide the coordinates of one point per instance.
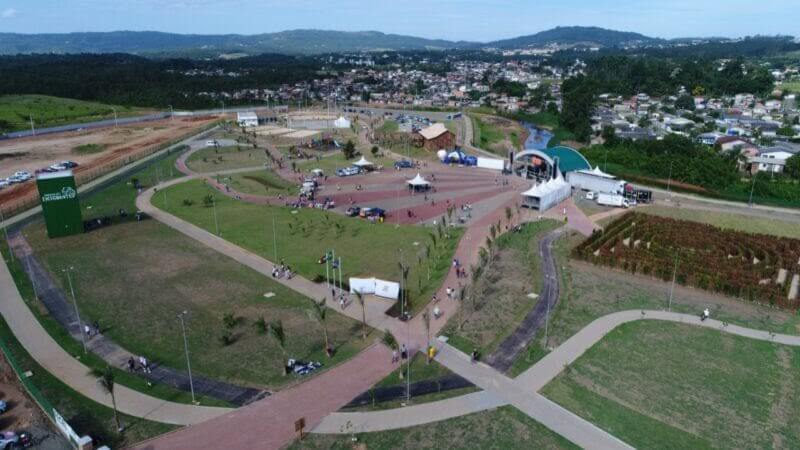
(418, 181)
(341, 122)
(546, 195)
(363, 163)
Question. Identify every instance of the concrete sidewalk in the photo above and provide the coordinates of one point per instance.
(46, 351)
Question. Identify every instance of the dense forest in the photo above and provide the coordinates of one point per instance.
(125, 79)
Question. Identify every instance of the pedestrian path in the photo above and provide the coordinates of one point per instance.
(49, 354)
(522, 392)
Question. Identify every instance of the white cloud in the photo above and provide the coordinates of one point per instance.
(8, 13)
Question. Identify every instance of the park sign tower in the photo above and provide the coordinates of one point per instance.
(59, 197)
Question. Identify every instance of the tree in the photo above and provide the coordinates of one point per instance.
(374, 150)
(685, 102)
(317, 313)
(793, 166)
(360, 298)
(349, 149)
(105, 378)
(277, 333)
(609, 135)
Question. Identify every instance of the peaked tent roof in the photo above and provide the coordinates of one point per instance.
(363, 162)
(418, 181)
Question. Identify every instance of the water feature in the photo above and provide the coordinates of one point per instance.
(538, 138)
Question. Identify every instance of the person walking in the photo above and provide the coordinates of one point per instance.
(395, 357)
(403, 352)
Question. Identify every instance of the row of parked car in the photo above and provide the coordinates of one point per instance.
(365, 213)
(22, 176)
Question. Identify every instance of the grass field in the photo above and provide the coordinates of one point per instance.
(84, 415)
(389, 126)
(665, 385)
(589, 292)
(739, 222)
(210, 159)
(499, 300)
(504, 428)
(791, 86)
(496, 134)
(260, 182)
(303, 236)
(16, 110)
(88, 149)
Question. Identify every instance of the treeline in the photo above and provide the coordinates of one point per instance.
(690, 166)
(125, 79)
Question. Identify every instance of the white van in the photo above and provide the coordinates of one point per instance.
(590, 195)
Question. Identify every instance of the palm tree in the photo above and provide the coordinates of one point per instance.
(360, 298)
(105, 378)
(317, 313)
(277, 333)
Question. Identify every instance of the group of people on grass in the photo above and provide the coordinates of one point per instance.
(282, 271)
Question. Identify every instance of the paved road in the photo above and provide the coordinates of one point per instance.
(49, 354)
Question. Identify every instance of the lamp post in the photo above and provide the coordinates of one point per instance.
(116, 123)
(752, 188)
(33, 129)
(75, 304)
(672, 286)
(171, 113)
(669, 180)
(186, 350)
(5, 232)
(214, 206)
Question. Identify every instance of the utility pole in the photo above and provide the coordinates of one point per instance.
(75, 304)
(172, 113)
(116, 123)
(186, 350)
(669, 180)
(33, 130)
(216, 222)
(752, 188)
(672, 286)
(402, 271)
(5, 231)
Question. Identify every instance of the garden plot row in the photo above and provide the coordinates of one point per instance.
(755, 267)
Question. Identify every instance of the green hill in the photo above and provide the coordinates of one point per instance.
(16, 111)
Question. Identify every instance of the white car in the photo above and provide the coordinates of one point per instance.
(4, 183)
(57, 168)
(23, 175)
(590, 195)
(211, 143)
(14, 179)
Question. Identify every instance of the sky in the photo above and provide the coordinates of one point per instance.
(472, 20)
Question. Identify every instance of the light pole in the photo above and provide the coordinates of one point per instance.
(214, 206)
(186, 350)
(172, 113)
(274, 239)
(752, 188)
(75, 304)
(33, 130)
(547, 315)
(223, 107)
(669, 180)
(5, 231)
(672, 286)
(116, 123)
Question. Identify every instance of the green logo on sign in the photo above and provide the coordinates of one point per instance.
(66, 193)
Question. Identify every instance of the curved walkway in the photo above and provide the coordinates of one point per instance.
(522, 391)
(50, 355)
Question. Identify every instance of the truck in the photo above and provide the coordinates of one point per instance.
(615, 200)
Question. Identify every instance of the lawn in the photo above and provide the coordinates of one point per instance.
(88, 149)
(503, 428)
(666, 385)
(496, 134)
(303, 237)
(16, 110)
(498, 301)
(134, 278)
(738, 222)
(389, 126)
(791, 86)
(84, 415)
(259, 182)
(212, 159)
(589, 292)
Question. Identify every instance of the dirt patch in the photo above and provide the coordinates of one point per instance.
(119, 146)
(23, 413)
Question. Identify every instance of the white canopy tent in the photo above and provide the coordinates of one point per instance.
(341, 122)
(418, 183)
(546, 195)
(363, 163)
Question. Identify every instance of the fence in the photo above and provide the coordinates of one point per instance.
(82, 177)
(40, 400)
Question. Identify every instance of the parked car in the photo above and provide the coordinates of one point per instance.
(14, 179)
(590, 195)
(372, 212)
(23, 175)
(4, 183)
(57, 168)
(403, 164)
(348, 171)
(211, 143)
(10, 440)
(352, 211)
(68, 164)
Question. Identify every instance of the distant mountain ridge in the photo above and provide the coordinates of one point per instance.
(288, 42)
(597, 36)
(297, 42)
